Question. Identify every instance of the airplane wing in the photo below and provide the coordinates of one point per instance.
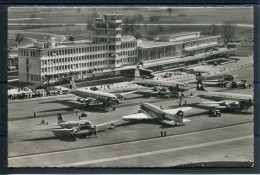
(102, 124)
(136, 117)
(191, 82)
(174, 111)
(172, 123)
(63, 132)
(212, 102)
(127, 93)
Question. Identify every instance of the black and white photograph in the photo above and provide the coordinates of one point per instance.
(130, 86)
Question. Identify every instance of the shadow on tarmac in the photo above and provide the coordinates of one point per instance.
(71, 106)
(66, 139)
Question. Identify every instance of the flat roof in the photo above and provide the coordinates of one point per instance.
(78, 44)
(198, 38)
(178, 60)
(150, 44)
(127, 38)
(180, 33)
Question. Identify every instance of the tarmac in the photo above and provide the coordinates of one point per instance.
(203, 139)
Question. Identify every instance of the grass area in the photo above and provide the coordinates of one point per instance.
(70, 16)
(180, 15)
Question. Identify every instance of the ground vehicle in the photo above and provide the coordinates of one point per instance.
(62, 91)
(215, 112)
(241, 84)
(94, 88)
(167, 75)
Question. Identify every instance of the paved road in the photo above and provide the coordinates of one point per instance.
(84, 24)
(214, 144)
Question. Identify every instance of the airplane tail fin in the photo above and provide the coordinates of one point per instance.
(179, 116)
(60, 119)
(180, 113)
(72, 84)
(200, 86)
(137, 76)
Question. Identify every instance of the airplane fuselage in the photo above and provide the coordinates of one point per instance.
(178, 86)
(82, 124)
(100, 96)
(224, 96)
(157, 113)
(222, 77)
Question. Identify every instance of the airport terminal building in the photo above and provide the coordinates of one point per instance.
(110, 52)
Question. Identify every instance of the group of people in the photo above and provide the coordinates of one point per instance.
(163, 133)
(185, 102)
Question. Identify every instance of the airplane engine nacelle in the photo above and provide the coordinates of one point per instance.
(234, 84)
(235, 105)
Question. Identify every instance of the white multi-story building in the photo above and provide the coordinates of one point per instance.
(109, 51)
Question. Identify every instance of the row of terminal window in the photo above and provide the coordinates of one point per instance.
(88, 57)
(107, 39)
(82, 65)
(105, 32)
(35, 77)
(77, 50)
(89, 49)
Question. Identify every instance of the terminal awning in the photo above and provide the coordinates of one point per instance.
(174, 60)
(203, 47)
(184, 59)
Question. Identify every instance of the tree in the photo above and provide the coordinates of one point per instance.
(132, 22)
(145, 26)
(169, 11)
(71, 38)
(78, 10)
(228, 31)
(19, 38)
(126, 22)
(139, 18)
(154, 18)
(160, 28)
(138, 35)
(91, 18)
(214, 29)
(151, 34)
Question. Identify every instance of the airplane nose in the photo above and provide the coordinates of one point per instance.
(117, 101)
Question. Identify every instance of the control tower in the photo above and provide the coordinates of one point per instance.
(108, 30)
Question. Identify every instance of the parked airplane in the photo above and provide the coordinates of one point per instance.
(173, 86)
(230, 100)
(218, 79)
(73, 128)
(149, 112)
(105, 99)
(194, 71)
